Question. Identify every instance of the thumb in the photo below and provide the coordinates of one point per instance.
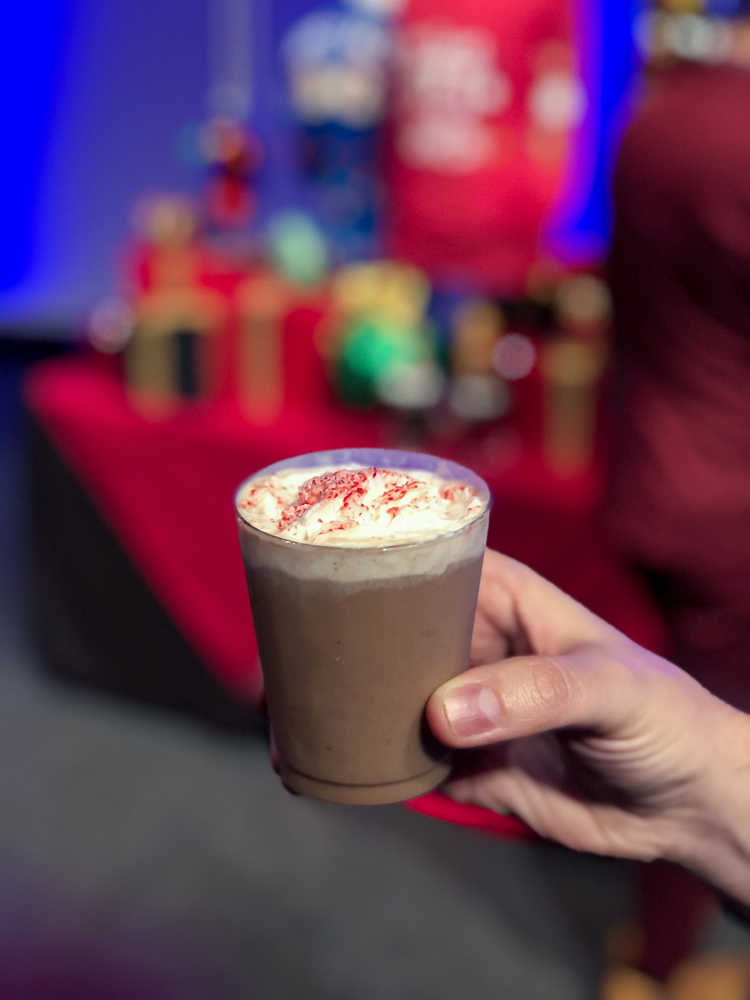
(526, 695)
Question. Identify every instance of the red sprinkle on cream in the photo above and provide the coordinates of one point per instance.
(367, 505)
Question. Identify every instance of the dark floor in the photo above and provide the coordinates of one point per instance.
(143, 855)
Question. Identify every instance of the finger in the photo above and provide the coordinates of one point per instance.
(526, 695)
(531, 613)
(599, 828)
(255, 690)
(274, 750)
(276, 763)
(490, 642)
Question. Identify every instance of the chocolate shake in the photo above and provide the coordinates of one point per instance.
(363, 569)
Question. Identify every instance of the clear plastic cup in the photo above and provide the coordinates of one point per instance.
(353, 641)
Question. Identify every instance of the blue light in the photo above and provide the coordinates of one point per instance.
(580, 228)
(31, 41)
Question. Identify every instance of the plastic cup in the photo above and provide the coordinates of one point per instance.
(353, 641)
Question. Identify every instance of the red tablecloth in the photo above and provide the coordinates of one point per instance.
(165, 489)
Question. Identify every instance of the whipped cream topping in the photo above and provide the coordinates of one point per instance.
(358, 506)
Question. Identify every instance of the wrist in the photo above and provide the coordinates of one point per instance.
(712, 837)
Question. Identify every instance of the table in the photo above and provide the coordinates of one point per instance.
(133, 522)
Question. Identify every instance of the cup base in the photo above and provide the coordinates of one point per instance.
(366, 795)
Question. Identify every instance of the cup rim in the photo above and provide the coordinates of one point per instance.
(471, 476)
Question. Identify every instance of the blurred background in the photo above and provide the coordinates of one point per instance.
(512, 234)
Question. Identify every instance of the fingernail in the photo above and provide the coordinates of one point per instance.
(471, 710)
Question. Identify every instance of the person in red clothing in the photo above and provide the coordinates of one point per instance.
(680, 275)
(679, 499)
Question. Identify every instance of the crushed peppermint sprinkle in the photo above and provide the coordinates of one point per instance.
(358, 506)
